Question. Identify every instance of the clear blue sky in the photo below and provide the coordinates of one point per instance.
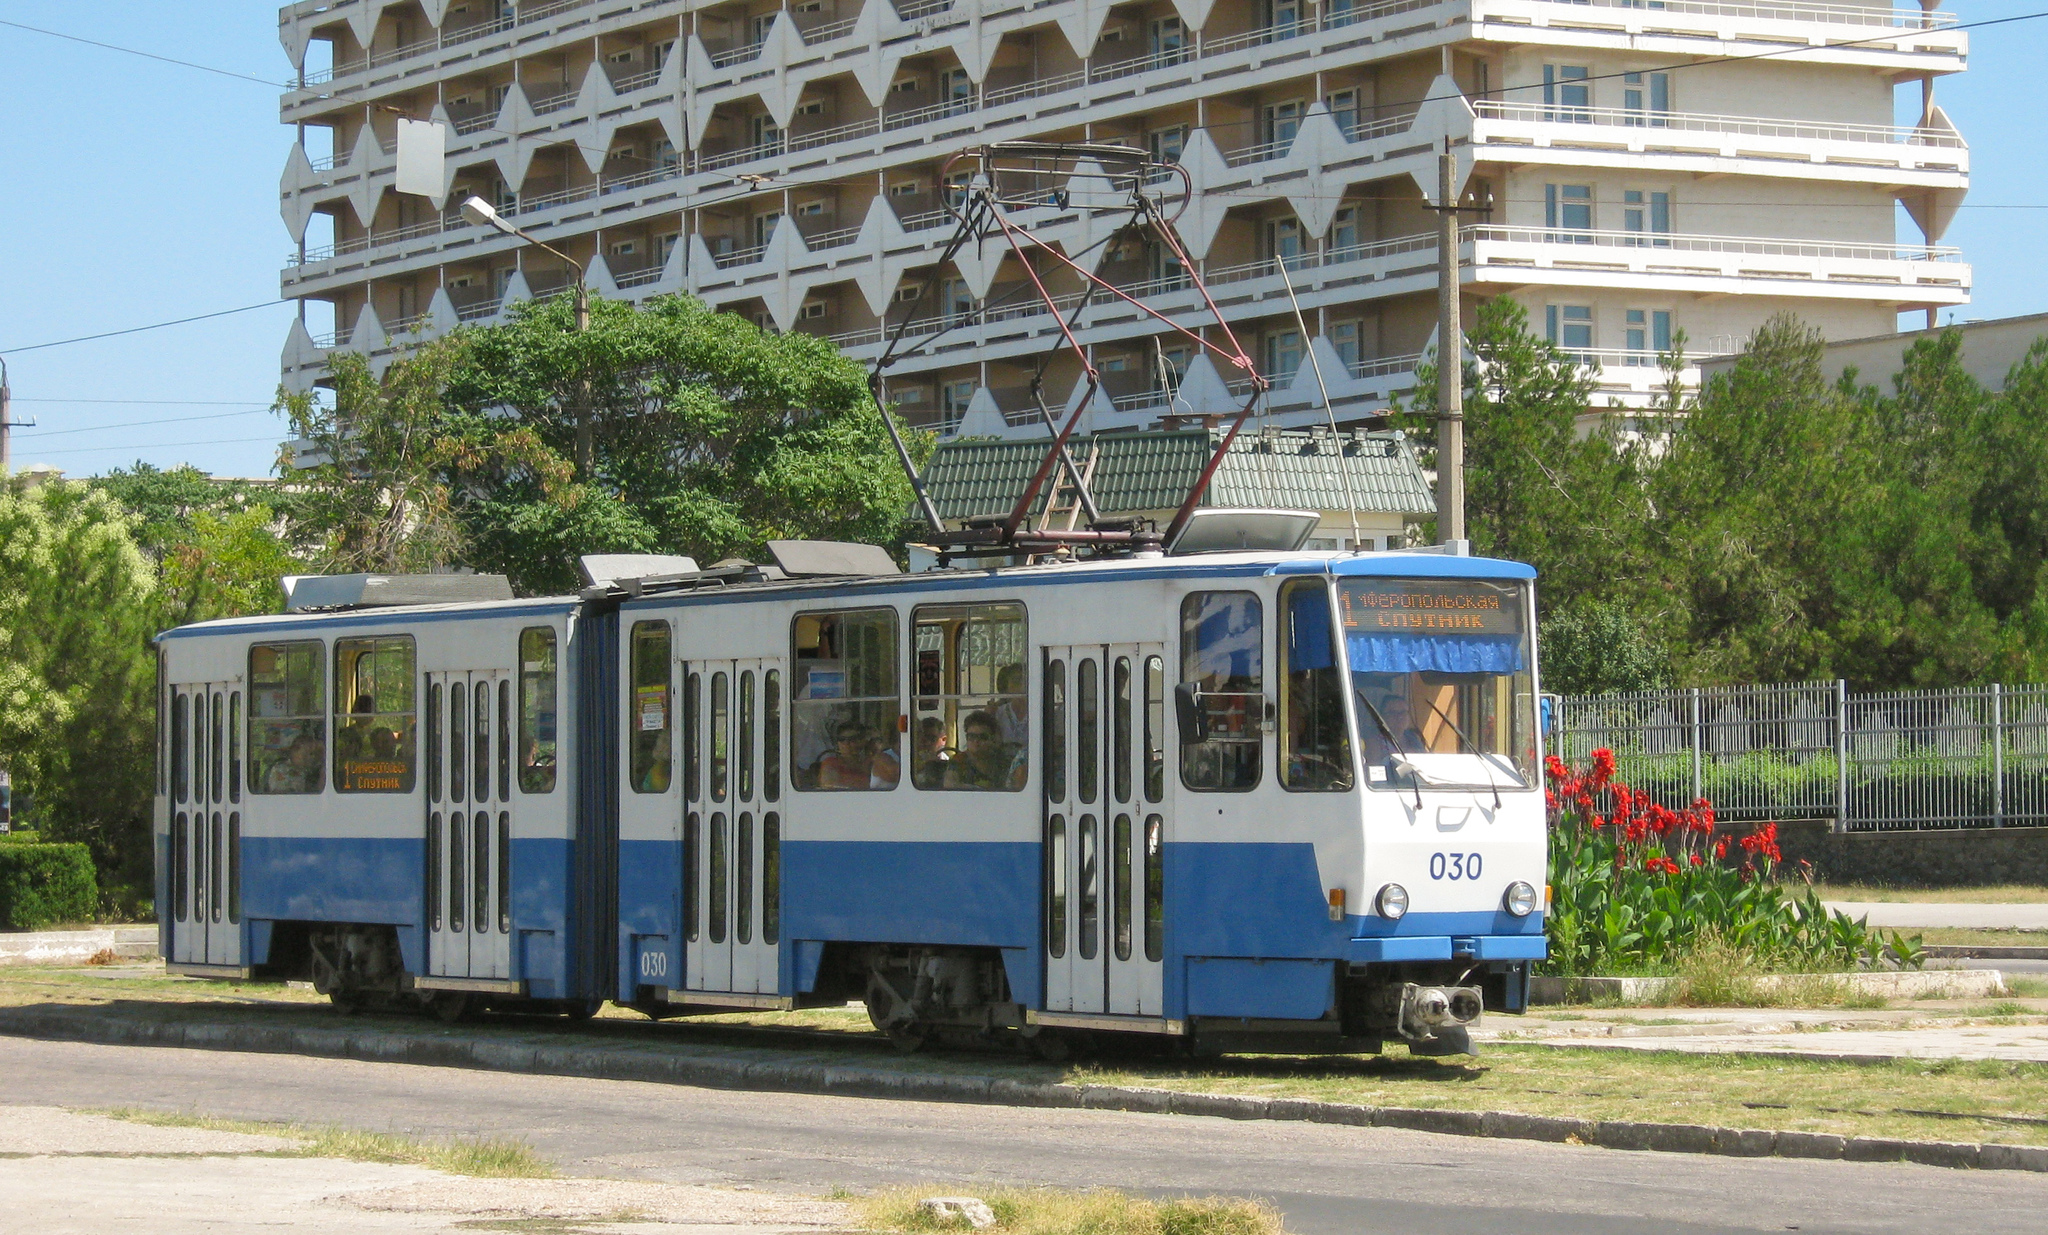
(138, 192)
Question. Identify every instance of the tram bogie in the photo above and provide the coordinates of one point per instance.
(1232, 801)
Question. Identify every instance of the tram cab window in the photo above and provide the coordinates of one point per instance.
(287, 718)
(1315, 743)
(537, 710)
(845, 701)
(1441, 672)
(653, 712)
(376, 736)
(1222, 657)
(970, 714)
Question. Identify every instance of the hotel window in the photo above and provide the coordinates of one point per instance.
(1647, 335)
(1345, 233)
(1283, 356)
(1282, 122)
(1647, 97)
(1569, 208)
(1567, 95)
(1646, 211)
(1570, 326)
(1343, 337)
(1344, 110)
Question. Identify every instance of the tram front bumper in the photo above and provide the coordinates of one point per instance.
(1445, 947)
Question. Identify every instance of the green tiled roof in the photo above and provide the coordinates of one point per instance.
(1153, 471)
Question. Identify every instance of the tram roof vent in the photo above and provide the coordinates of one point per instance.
(1228, 529)
(603, 568)
(815, 558)
(304, 592)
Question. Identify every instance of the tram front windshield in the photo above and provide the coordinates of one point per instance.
(1441, 681)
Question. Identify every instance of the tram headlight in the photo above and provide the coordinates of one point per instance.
(1392, 902)
(1520, 899)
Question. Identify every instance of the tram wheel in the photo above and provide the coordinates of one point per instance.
(449, 1007)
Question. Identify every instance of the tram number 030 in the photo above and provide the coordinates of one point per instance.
(1454, 865)
(654, 964)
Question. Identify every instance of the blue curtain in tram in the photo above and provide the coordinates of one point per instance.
(1434, 653)
(1308, 630)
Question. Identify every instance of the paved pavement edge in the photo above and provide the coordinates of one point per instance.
(639, 1064)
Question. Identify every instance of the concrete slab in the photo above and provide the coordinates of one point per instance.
(1894, 915)
(72, 947)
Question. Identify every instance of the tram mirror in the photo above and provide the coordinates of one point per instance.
(1187, 709)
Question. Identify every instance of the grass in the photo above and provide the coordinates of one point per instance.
(2002, 894)
(1983, 938)
(482, 1157)
(1051, 1211)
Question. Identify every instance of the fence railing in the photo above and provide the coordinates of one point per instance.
(1974, 757)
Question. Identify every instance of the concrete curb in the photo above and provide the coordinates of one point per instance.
(1891, 983)
(740, 1068)
(56, 947)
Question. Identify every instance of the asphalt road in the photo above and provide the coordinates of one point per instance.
(1328, 1180)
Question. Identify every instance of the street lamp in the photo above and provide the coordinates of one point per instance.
(482, 213)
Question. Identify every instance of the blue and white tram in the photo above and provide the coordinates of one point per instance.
(1251, 800)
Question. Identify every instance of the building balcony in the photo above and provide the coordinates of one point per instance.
(440, 40)
(1706, 143)
(1909, 275)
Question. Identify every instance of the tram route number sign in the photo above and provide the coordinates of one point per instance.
(1431, 607)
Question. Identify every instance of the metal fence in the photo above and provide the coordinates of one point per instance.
(1972, 758)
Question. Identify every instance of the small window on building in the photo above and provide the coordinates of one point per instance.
(1222, 650)
(287, 718)
(537, 710)
(376, 740)
(845, 701)
(1570, 326)
(651, 717)
(1315, 742)
(970, 681)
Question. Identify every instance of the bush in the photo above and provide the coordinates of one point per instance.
(21, 836)
(45, 884)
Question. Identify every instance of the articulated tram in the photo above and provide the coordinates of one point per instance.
(1271, 800)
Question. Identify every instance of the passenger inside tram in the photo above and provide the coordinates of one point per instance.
(987, 761)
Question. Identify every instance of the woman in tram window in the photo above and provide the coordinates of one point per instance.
(850, 762)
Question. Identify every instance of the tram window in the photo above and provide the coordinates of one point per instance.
(1155, 888)
(1087, 731)
(720, 717)
(504, 741)
(537, 710)
(163, 719)
(287, 718)
(653, 729)
(458, 724)
(717, 880)
(746, 751)
(217, 746)
(235, 747)
(1056, 730)
(434, 870)
(1155, 728)
(480, 870)
(771, 740)
(771, 876)
(433, 741)
(1120, 729)
(217, 842)
(970, 680)
(743, 880)
(179, 843)
(374, 745)
(693, 751)
(1120, 884)
(1090, 921)
(1056, 889)
(845, 701)
(180, 752)
(1222, 655)
(1315, 741)
(692, 873)
(456, 847)
(234, 879)
(504, 872)
(482, 713)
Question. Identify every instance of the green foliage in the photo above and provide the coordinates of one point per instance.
(78, 606)
(41, 885)
(707, 436)
(1592, 647)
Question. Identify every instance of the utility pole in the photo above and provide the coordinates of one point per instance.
(6, 425)
(1450, 359)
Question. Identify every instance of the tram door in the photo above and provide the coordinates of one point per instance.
(1105, 828)
(206, 824)
(469, 824)
(733, 778)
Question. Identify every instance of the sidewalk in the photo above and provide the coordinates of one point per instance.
(1941, 1032)
(1893, 915)
(57, 947)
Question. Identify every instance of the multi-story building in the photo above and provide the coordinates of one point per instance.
(1653, 168)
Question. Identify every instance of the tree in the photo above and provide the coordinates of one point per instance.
(78, 607)
(215, 544)
(710, 437)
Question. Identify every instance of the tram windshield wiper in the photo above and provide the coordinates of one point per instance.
(1414, 776)
(1484, 757)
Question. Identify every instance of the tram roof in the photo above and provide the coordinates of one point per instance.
(1414, 564)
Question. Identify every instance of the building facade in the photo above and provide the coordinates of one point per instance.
(783, 159)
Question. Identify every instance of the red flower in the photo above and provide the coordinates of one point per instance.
(1721, 848)
(1696, 860)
